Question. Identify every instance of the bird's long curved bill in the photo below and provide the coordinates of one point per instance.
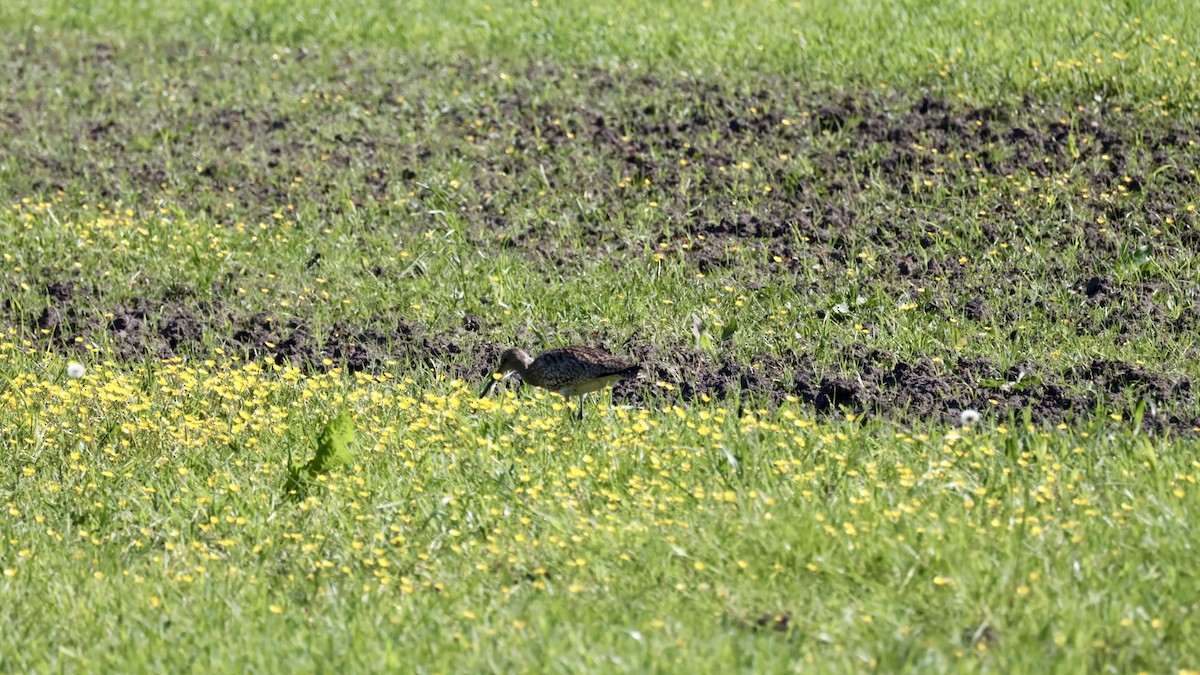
(492, 382)
(488, 387)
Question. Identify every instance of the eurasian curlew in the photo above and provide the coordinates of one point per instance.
(570, 371)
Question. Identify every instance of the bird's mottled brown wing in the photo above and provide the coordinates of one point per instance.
(564, 366)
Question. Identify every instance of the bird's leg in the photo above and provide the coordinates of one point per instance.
(581, 407)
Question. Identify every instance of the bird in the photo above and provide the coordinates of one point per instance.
(570, 371)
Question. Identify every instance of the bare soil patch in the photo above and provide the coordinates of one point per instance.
(827, 155)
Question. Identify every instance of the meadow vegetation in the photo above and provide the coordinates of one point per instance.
(824, 229)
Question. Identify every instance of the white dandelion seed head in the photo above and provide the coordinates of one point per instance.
(968, 417)
(76, 370)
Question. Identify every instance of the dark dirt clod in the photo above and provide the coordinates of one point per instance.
(1095, 286)
(48, 320)
(839, 392)
(975, 309)
(180, 328)
(61, 291)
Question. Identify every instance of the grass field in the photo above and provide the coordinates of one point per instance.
(824, 229)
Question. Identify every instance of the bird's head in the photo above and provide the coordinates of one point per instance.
(511, 361)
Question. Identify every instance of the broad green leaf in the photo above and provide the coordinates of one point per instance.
(333, 445)
(729, 329)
